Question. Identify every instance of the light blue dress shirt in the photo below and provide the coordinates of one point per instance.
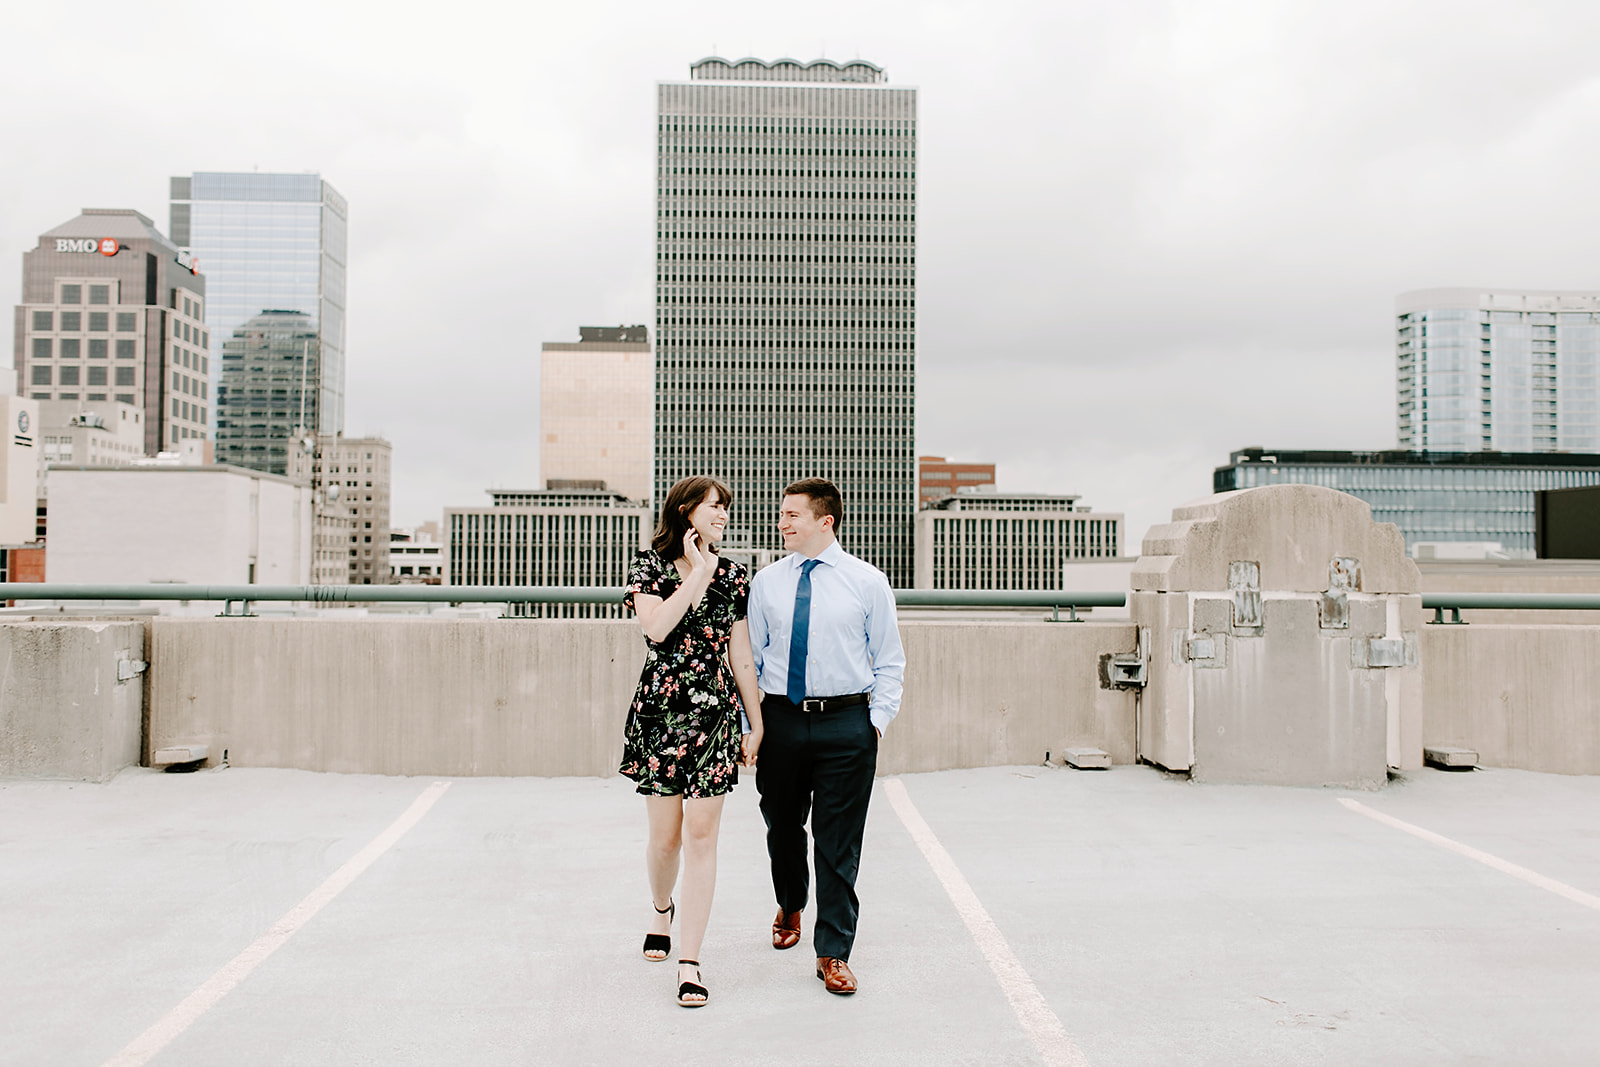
(852, 642)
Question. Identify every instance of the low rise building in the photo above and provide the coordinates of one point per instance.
(977, 539)
(98, 434)
(567, 537)
(937, 477)
(212, 525)
(1487, 498)
(416, 555)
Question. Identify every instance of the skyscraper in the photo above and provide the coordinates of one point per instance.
(595, 400)
(786, 294)
(112, 311)
(1498, 370)
(268, 243)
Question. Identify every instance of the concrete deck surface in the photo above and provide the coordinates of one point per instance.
(1163, 923)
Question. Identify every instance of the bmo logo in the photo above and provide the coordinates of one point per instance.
(106, 246)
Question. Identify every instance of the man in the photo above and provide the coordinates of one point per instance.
(830, 665)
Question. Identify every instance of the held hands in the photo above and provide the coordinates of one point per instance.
(751, 743)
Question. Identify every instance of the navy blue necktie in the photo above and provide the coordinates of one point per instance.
(799, 634)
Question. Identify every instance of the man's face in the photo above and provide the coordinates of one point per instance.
(802, 530)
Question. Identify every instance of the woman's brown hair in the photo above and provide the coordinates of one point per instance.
(682, 499)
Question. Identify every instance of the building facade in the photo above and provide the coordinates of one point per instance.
(1498, 370)
(350, 478)
(987, 540)
(112, 311)
(786, 198)
(938, 477)
(596, 409)
(562, 538)
(270, 243)
(98, 434)
(266, 402)
(1432, 496)
(416, 556)
(209, 525)
(19, 470)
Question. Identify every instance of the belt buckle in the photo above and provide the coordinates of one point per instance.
(811, 704)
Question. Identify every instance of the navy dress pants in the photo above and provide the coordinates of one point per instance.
(819, 764)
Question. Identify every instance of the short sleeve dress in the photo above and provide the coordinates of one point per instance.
(682, 735)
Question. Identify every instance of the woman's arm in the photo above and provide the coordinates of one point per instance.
(658, 617)
(744, 676)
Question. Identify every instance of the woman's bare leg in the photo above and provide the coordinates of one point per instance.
(661, 854)
(702, 819)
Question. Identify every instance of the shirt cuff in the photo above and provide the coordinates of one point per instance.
(881, 718)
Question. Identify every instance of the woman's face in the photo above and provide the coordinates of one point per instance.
(709, 518)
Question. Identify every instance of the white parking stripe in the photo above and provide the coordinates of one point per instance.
(196, 1004)
(1560, 889)
(1040, 1023)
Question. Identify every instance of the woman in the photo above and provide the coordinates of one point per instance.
(683, 742)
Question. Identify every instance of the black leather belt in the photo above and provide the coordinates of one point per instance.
(811, 705)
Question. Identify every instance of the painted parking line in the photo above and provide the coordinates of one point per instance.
(1560, 889)
(236, 970)
(1041, 1024)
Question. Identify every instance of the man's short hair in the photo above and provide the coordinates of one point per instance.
(824, 497)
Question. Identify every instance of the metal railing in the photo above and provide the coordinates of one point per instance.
(1455, 603)
(1054, 599)
(244, 595)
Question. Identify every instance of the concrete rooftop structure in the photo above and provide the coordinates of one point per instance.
(1159, 921)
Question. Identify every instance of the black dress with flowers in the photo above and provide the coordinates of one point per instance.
(683, 732)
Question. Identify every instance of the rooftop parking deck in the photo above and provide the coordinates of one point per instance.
(1158, 921)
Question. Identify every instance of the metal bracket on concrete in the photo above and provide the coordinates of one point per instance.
(1371, 652)
(1072, 613)
(1206, 650)
(1244, 582)
(1127, 670)
(128, 667)
(1344, 578)
(1455, 618)
(244, 611)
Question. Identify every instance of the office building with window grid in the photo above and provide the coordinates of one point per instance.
(981, 539)
(269, 242)
(786, 295)
(1484, 497)
(1498, 370)
(350, 482)
(564, 537)
(113, 312)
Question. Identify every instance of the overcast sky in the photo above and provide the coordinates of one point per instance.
(1150, 233)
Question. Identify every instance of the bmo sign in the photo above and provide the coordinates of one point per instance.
(106, 246)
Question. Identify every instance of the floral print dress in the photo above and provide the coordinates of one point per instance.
(683, 731)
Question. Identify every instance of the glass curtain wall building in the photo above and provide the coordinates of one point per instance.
(270, 243)
(1431, 496)
(1509, 371)
(786, 295)
(269, 368)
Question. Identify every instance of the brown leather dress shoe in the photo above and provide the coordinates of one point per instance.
(836, 975)
(786, 929)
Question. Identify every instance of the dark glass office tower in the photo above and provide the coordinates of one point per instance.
(270, 365)
(268, 243)
(786, 294)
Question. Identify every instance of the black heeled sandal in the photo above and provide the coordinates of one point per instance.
(661, 943)
(692, 988)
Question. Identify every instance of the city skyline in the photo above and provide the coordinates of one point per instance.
(1148, 236)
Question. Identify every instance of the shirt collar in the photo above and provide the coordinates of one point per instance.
(830, 555)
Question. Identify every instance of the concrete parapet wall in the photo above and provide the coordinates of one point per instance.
(549, 697)
(63, 712)
(1522, 696)
(1516, 576)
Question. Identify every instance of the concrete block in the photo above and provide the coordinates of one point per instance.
(1086, 759)
(65, 710)
(165, 757)
(1450, 758)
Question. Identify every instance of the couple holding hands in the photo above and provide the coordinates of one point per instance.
(796, 673)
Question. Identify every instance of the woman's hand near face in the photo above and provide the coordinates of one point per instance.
(701, 561)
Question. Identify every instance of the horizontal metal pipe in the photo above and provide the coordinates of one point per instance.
(1514, 601)
(505, 594)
